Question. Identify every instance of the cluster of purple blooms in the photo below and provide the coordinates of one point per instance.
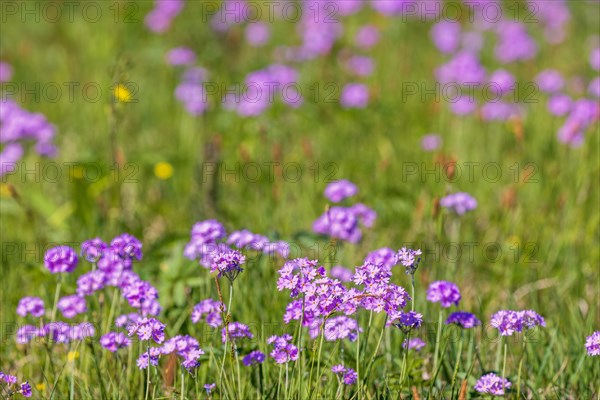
(460, 202)
(191, 90)
(443, 292)
(57, 332)
(344, 222)
(19, 127)
(147, 329)
(10, 380)
(212, 309)
(228, 264)
(236, 330)
(509, 321)
(187, 348)
(113, 341)
(283, 349)
(253, 358)
(492, 384)
(413, 344)
(347, 375)
(159, 20)
(31, 305)
(463, 319)
(592, 344)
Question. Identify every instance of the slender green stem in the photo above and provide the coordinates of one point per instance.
(520, 366)
(412, 292)
(182, 383)
(370, 365)
(404, 356)
(358, 361)
(437, 341)
(504, 366)
(148, 375)
(460, 346)
(56, 296)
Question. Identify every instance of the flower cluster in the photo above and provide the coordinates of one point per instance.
(509, 322)
(492, 384)
(341, 327)
(347, 375)
(73, 305)
(10, 380)
(339, 190)
(148, 328)
(212, 309)
(463, 319)
(187, 348)
(60, 259)
(445, 293)
(160, 18)
(385, 257)
(31, 305)
(283, 350)
(58, 332)
(413, 343)
(409, 258)
(460, 202)
(253, 358)
(228, 264)
(236, 330)
(113, 341)
(406, 321)
(592, 344)
(191, 91)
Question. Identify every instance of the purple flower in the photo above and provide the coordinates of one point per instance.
(25, 389)
(501, 82)
(499, 111)
(341, 273)
(228, 264)
(360, 65)
(341, 327)
(492, 384)
(60, 259)
(203, 233)
(257, 34)
(339, 190)
(212, 309)
(114, 341)
(70, 306)
(509, 322)
(550, 81)
(446, 36)
(409, 258)
(431, 142)
(283, 350)
(92, 249)
(514, 43)
(413, 343)
(592, 344)
(367, 36)
(583, 113)
(443, 292)
(385, 257)
(406, 321)
(187, 348)
(463, 105)
(191, 91)
(594, 87)
(10, 379)
(127, 246)
(31, 305)
(209, 387)
(559, 105)
(6, 71)
(338, 369)
(149, 357)
(27, 332)
(463, 319)
(364, 214)
(463, 69)
(90, 282)
(139, 294)
(148, 328)
(164, 11)
(253, 358)
(594, 59)
(460, 202)
(350, 377)
(236, 330)
(339, 222)
(181, 56)
(354, 95)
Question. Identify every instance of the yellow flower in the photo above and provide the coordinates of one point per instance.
(122, 94)
(163, 170)
(4, 190)
(41, 387)
(73, 355)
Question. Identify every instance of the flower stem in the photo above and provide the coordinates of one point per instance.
(148, 376)
(56, 296)
(520, 366)
(460, 346)
(504, 366)
(437, 342)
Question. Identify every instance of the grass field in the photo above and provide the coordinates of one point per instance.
(133, 160)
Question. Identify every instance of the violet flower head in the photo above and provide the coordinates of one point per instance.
(236, 330)
(339, 190)
(31, 305)
(463, 319)
(73, 305)
(406, 321)
(385, 257)
(209, 387)
(257, 34)
(443, 292)
(228, 264)
(284, 351)
(431, 142)
(360, 65)
(60, 259)
(592, 344)
(492, 384)
(181, 56)
(148, 328)
(114, 341)
(354, 95)
(559, 105)
(594, 88)
(212, 309)
(364, 214)
(514, 43)
(149, 357)
(160, 18)
(446, 36)
(127, 246)
(509, 321)
(341, 327)
(25, 389)
(595, 59)
(92, 249)
(410, 259)
(187, 348)
(550, 81)
(254, 358)
(203, 233)
(6, 71)
(460, 202)
(367, 37)
(413, 344)
(501, 82)
(341, 273)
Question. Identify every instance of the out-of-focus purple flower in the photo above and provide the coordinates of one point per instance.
(123, 320)
(139, 294)
(341, 327)
(360, 65)
(181, 56)
(114, 341)
(559, 104)
(279, 247)
(92, 249)
(385, 257)
(594, 87)
(406, 321)
(431, 142)
(6, 71)
(203, 233)
(27, 332)
(339, 222)
(354, 95)
(592, 344)
(191, 91)
(127, 246)
(212, 309)
(209, 387)
(514, 43)
(345, 7)
(339, 190)
(149, 357)
(257, 34)
(501, 82)
(409, 258)
(413, 343)
(90, 282)
(446, 36)
(463, 319)
(236, 330)
(31, 305)
(160, 18)
(284, 351)
(70, 306)
(318, 34)
(365, 215)
(595, 58)
(232, 12)
(460, 202)
(367, 36)
(187, 348)
(60, 259)
(148, 328)
(443, 292)
(228, 264)
(472, 41)
(341, 273)
(492, 384)
(550, 81)
(499, 111)
(553, 16)
(10, 154)
(509, 321)
(388, 7)
(25, 389)
(463, 69)
(350, 377)
(253, 358)
(463, 105)
(583, 113)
